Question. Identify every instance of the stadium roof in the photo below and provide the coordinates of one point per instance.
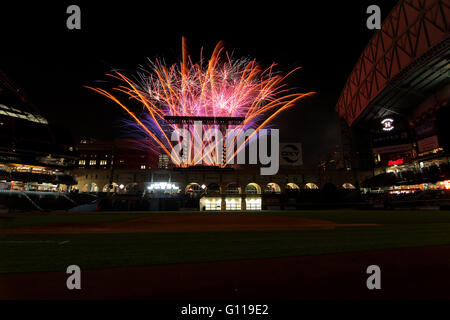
(414, 87)
(14, 102)
(403, 63)
(16, 113)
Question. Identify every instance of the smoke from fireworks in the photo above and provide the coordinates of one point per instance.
(220, 87)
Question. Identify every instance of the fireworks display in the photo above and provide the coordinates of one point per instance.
(219, 87)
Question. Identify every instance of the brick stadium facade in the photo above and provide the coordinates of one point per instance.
(118, 167)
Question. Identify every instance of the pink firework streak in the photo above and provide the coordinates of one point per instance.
(219, 87)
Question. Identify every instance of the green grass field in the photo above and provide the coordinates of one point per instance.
(54, 252)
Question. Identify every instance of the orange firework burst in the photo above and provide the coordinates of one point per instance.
(220, 87)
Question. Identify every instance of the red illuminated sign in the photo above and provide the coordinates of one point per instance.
(396, 162)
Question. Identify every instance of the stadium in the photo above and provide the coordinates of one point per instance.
(35, 156)
(142, 226)
(394, 146)
(242, 98)
(393, 115)
(394, 107)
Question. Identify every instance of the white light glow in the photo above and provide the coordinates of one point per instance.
(162, 186)
(388, 124)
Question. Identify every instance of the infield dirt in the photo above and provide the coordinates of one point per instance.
(186, 223)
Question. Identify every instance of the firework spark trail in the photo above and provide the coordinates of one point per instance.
(224, 87)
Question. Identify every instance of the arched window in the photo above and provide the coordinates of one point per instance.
(111, 187)
(252, 188)
(292, 187)
(233, 188)
(94, 187)
(272, 188)
(213, 188)
(193, 188)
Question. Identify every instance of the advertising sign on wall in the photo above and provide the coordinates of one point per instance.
(291, 154)
(428, 144)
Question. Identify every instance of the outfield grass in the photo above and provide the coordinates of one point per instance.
(54, 252)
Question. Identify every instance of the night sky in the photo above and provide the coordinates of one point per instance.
(52, 64)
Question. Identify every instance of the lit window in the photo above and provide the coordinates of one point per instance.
(233, 204)
(103, 162)
(92, 162)
(253, 203)
(213, 204)
(163, 162)
(82, 162)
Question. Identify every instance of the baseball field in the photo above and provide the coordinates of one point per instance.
(192, 255)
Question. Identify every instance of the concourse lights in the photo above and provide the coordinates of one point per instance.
(162, 186)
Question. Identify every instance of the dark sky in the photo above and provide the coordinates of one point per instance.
(52, 64)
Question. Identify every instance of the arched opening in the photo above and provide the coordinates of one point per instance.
(272, 187)
(292, 187)
(311, 185)
(132, 187)
(111, 187)
(253, 188)
(348, 186)
(94, 187)
(233, 188)
(213, 188)
(193, 188)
